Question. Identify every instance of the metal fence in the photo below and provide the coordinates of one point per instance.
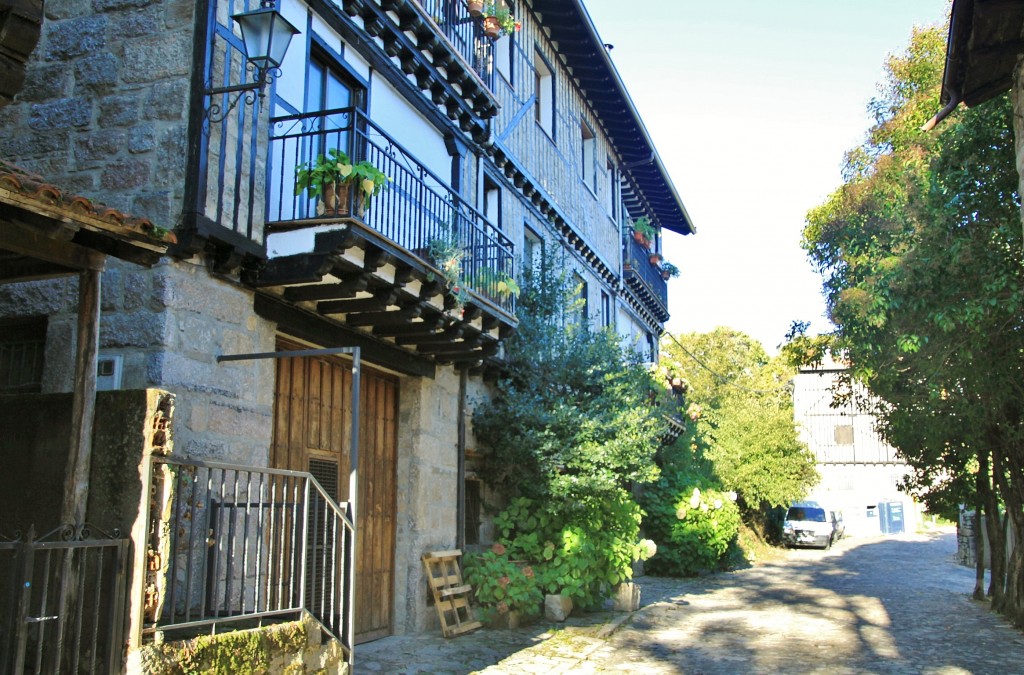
(637, 257)
(415, 209)
(231, 546)
(63, 607)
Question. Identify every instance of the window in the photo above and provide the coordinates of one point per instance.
(612, 198)
(533, 248)
(22, 344)
(606, 310)
(544, 90)
(492, 201)
(581, 310)
(503, 56)
(472, 512)
(588, 159)
(328, 87)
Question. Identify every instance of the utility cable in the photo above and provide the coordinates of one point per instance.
(722, 378)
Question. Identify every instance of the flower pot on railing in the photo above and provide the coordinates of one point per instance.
(475, 8)
(492, 27)
(339, 200)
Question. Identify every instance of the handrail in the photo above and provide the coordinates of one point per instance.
(232, 543)
(638, 259)
(415, 209)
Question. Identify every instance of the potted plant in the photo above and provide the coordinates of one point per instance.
(475, 7)
(506, 591)
(668, 270)
(446, 255)
(655, 258)
(343, 188)
(643, 231)
(498, 21)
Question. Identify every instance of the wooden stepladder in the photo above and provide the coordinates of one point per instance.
(451, 596)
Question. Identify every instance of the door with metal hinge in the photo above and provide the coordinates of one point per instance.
(312, 415)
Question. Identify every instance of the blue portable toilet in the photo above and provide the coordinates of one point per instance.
(890, 517)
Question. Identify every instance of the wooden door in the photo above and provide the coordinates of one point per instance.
(312, 431)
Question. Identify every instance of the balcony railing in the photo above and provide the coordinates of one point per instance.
(465, 34)
(637, 258)
(230, 545)
(415, 209)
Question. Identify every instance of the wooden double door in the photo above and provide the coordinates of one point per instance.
(312, 432)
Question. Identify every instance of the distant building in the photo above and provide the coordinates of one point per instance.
(860, 472)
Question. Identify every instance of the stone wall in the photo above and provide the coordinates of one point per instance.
(427, 489)
(104, 107)
(169, 324)
(34, 451)
(292, 648)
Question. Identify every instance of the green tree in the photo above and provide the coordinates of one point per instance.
(920, 252)
(742, 403)
(574, 424)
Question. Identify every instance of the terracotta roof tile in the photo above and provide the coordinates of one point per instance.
(35, 187)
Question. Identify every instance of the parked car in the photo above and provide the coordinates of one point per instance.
(807, 524)
(838, 526)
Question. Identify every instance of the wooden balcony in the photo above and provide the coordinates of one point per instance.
(644, 279)
(373, 273)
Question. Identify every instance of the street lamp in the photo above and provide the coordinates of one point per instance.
(266, 36)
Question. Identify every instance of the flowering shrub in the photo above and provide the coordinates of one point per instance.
(693, 527)
(580, 549)
(501, 585)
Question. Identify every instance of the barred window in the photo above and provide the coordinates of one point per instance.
(22, 344)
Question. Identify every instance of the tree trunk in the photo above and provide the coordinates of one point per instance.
(996, 534)
(1010, 479)
(979, 554)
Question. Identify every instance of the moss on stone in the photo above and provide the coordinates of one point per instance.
(234, 653)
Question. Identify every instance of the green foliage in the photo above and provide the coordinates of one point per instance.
(502, 585)
(337, 167)
(573, 425)
(576, 414)
(243, 651)
(741, 403)
(692, 523)
(580, 549)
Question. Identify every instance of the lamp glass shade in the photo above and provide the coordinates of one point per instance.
(266, 35)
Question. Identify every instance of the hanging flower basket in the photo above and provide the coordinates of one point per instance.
(475, 8)
(655, 258)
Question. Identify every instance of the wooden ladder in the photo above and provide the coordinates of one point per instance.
(451, 596)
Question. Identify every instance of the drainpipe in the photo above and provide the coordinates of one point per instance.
(942, 114)
(460, 510)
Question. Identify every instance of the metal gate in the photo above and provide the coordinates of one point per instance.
(62, 602)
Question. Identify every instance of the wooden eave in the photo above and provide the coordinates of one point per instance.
(46, 233)
(357, 281)
(644, 301)
(409, 35)
(985, 39)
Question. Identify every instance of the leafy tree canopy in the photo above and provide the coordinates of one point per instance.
(742, 403)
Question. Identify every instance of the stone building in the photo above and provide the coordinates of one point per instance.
(860, 472)
(350, 336)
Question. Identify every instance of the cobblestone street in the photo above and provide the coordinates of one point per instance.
(871, 605)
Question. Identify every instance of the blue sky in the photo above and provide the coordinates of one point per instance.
(751, 104)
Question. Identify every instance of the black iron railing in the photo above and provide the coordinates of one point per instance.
(230, 544)
(639, 267)
(465, 34)
(415, 209)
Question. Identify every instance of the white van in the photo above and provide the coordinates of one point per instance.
(807, 524)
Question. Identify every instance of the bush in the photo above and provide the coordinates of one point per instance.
(501, 585)
(580, 549)
(692, 527)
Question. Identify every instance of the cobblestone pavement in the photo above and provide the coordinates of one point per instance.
(871, 605)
